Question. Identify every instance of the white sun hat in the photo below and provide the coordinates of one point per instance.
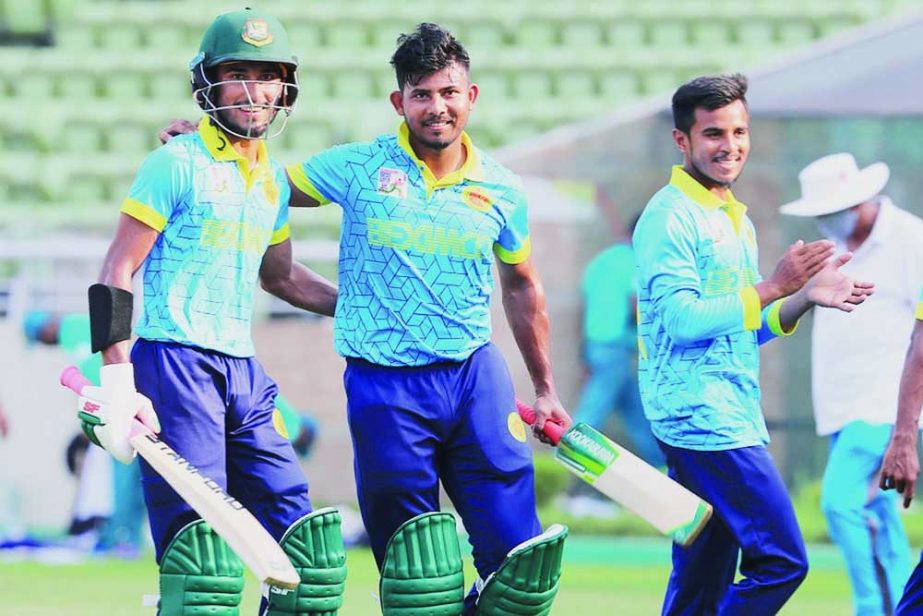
(835, 183)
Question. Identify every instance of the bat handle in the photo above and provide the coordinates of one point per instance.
(74, 380)
(552, 429)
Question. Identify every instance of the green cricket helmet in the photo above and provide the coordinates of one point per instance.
(243, 36)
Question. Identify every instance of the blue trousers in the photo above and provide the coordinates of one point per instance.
(216, 411)
(911, 603)
(450, 422)
(753, 520)
(612, 386)
(862, 519)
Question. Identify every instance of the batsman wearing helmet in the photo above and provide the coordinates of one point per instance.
(206, 216)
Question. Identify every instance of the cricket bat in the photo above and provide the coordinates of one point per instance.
(224, 513)
(627, 479)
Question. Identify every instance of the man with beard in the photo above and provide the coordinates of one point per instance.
(206, 216)
(430, 398)
(703, 312)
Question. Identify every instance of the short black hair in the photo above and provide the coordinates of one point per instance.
(709, 92)
(427, 49)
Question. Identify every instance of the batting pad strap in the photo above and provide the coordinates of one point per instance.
(422, 569)
(110, 315)
(526, 582)
(314, 544)
(199, 574)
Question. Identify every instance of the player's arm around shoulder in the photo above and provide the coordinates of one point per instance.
(294, 282)
(524, 305)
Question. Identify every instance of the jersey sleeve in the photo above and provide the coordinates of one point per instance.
(157, 189)
(919, 311)
(281, 230)
(666, 256)
(322, 177)
(514, 245)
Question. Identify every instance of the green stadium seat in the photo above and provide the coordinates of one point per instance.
(169, 34)
(483, 37)
(304, 36)
(305, 138)
(132, 139)
(659, 81)
(795, 31)
(668, 34)
(121, 38)
(836, 24)
(80, 137)
(492, 83)
(535, 33)
(34, 86)
(26, 18)
(575, 85)
(626, 33)
(531, 85)
(170, 85)
(352, 86)
(755, 33)
(578, 34)
(710, 33)
(618, 86)
(347, 34)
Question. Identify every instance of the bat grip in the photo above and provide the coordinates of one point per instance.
(552, 429)
(73, 379)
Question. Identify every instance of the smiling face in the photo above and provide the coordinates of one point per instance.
(717, 146)
(436, 108)
(248, 96)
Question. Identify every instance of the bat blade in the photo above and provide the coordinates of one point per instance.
(628, 480)
(633, 483)
(224, 513)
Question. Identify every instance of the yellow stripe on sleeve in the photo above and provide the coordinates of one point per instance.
(144, 213)
(514, 257)
(775, 321)
(301, 181)
(920, 311)
(281, 234)
(752, 313)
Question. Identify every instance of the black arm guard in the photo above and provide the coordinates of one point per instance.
(110, 315)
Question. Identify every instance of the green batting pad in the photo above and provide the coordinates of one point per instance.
(422, 570)
(200, 575)
(314, 544)
(527, 581)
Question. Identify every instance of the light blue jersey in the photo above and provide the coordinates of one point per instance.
(699, 319)
(919, 311)
(216, 217)
(416, 253)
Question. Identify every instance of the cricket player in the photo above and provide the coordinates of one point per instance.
(426, 215)
(901, 466)
(206, 217)
(703, 312)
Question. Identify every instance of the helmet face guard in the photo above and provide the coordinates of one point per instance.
(244, 36)
(205, 92)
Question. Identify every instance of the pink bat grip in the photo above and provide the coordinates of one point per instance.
(74, 380)
(552, 429)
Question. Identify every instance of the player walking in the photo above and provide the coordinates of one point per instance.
(703, 312)
(429, 397)
(206, 217)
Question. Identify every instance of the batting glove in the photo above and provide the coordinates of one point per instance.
(107, 412)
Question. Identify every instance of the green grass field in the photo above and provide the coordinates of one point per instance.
(602, 575)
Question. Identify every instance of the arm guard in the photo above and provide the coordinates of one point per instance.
(110, 315)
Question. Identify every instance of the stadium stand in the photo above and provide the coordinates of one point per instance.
(88, 82)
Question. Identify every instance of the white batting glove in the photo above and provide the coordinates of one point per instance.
(107, 412)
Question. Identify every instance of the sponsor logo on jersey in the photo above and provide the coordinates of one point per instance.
(256, 32)
(392, 182)
(429, 239)
(477, 198)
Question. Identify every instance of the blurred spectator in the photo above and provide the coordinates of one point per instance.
(609, 354)
(109, 508)
(855, 402)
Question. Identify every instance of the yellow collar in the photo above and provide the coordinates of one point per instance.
(220, 147)
(470, 169)
(705, 198)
